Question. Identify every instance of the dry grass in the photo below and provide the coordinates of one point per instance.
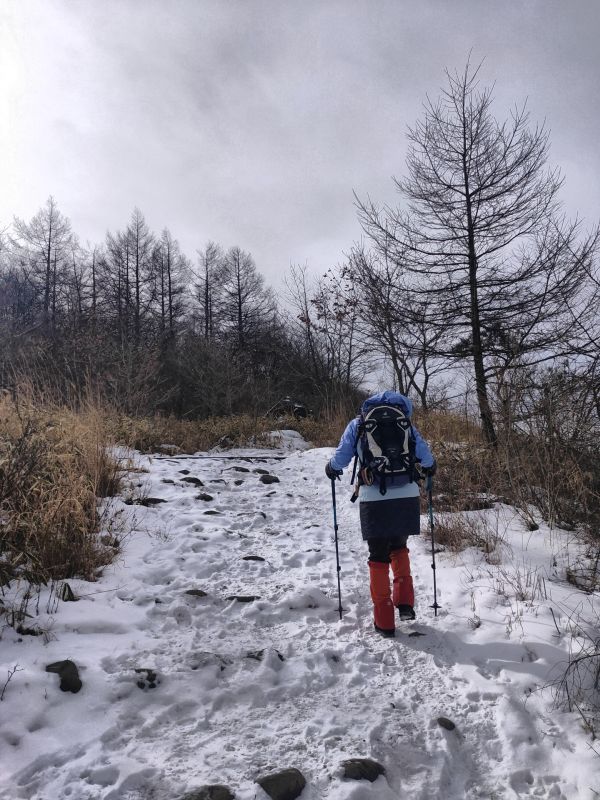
(53, 468)
(457, 531)
(151, 434)
(447, 426)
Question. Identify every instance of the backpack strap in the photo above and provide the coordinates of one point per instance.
(359, 433)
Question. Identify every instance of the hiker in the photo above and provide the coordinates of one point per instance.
(387, 447)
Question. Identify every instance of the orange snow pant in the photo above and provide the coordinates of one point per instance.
(402, 591)
(383, 608)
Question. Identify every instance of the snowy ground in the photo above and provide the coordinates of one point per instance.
(243, 688)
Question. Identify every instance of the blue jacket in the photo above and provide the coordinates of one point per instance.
(347, 448)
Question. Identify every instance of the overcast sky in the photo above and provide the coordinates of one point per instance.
(252, 122)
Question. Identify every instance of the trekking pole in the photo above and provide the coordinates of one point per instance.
(429, 487)
(337, 552)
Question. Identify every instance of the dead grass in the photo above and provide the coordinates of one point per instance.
(152, 434)
(447, 426)
(53, 468)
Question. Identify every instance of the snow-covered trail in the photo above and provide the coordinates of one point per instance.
(184, 685)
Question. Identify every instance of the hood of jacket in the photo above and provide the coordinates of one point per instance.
(388, 398)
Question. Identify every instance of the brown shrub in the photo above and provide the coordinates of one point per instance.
(53, 468)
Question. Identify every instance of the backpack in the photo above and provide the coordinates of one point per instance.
(387, 445)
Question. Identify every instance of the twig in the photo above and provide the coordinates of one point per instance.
(554, 618)
(11, 672)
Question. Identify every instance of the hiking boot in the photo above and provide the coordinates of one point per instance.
(406, 613)
(389, 634)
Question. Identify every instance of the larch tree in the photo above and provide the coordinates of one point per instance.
(169, 272)
(482, 235)
(207, 287)
(246, 305)
(43, 246)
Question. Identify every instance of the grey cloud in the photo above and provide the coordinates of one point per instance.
(252, 121)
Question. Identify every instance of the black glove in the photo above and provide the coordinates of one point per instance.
(429, 472)
(331, 472)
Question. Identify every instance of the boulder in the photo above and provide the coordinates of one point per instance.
(284, 785)
(67, 594)
(68, 673)
(191, 479)
(151, 679)
(358, 769)
(268, 478)
(214, 791)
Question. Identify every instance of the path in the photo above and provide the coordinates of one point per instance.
(243, 687)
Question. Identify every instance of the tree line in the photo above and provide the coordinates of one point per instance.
(151, 330)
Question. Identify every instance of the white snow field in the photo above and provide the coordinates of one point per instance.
(227, 690)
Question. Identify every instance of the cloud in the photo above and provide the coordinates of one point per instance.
(251, 122)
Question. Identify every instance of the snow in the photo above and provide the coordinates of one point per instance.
(243, 688)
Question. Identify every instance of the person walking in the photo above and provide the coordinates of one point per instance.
(386, 447)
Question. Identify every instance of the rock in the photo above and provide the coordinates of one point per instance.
(258, 655)
(446, 723)
(212, 511)
(358, 769)
(184, 472)
(214, 791)
(67, 594)
(196, 593)
(167, 480)
(239, 482)
(244, 598)
(285, 785)
(203, 496)
(28, 631)
(68, 673)
(240, 469)
(147, 502)
(218, 480)
(252, 558)
(169, 449)
(261, 471)
(150, 681)
(191, 479)
(267, 478)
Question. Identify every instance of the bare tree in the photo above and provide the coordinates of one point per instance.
(141, 246)
(43, 246)
(127, 271)
(489, 253)
(323, 332)
(246, 304)
(394, 322)
(170, 271)
(207, 286)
